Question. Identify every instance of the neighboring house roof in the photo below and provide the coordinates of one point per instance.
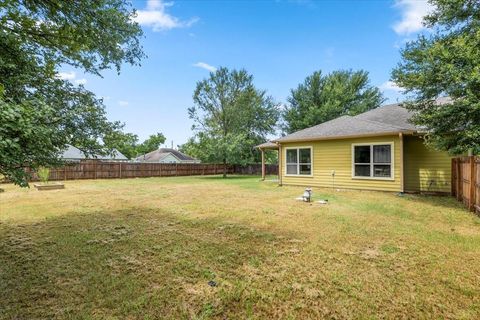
(158, 155)
(74, 153)
(116, 155)
(393, 118)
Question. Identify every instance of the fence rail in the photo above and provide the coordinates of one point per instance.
(466, 181)
(95, 169)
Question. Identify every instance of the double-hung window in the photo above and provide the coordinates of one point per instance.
(299, 161)
(373, 161)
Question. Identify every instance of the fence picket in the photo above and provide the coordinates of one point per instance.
(466, 188)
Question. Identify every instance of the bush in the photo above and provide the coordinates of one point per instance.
(43, 174)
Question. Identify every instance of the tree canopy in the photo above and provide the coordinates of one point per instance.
(446, 62)
(230, 117)
(39, 112)
(153, 142)
(322, 98)
(128, 145)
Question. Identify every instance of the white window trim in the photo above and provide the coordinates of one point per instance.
(392, 169)
(298, 163)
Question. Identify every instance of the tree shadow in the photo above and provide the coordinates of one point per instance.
(443, 201)
(122, 263)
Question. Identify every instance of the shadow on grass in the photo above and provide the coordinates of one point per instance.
(126, 264)
(443, 201)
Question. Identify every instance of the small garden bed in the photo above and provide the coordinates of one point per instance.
(43, 174)
(49, 186)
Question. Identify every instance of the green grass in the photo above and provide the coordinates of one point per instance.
(148, 248)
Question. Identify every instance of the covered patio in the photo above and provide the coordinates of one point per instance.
(267, 146)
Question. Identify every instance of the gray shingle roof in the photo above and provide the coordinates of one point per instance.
(73, 153)
(393, 118)
(116, 155)
(161, 153)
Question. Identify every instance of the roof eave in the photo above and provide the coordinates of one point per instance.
(378, 134)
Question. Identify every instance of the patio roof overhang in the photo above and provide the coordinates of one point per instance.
(267, 146)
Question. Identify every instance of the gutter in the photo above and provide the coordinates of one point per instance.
(393, 133)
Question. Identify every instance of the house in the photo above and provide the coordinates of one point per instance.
(376, 150)
(166, 155)
(72, 154)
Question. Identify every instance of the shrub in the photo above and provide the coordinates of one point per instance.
(43, 174)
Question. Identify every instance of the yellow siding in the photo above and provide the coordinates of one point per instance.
(336, 155)
(426, 170)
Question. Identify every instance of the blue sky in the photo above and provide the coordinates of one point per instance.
(279, 42)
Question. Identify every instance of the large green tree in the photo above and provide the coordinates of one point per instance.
(40, 113)
(230, 116)
(446, 62)
(128, 145)
(153, 142)
(322, 98)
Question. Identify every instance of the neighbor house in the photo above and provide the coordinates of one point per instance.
(73, 154)
(376, 150)
(166, 155)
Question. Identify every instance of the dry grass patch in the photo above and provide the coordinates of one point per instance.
(204, 247)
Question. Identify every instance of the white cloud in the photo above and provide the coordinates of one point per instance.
(391, 86)
(205, 66)
(66, 75)
(156, 17)
(413, 12)
(123, 103)
(81, 81)
(71, 76)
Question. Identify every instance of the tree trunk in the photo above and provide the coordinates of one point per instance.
(224, 167)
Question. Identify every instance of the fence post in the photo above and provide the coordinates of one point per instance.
(453, 178)
(473, 179)
(120, 175)
(459, 179)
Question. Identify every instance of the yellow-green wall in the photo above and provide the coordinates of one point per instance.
(426, 170)
(336, 155)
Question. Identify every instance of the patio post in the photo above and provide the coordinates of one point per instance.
(279, 164)
(263, 163)
(402, 174)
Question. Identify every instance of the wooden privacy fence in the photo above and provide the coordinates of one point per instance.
(466, 181)
(270, 169)
(96, 169)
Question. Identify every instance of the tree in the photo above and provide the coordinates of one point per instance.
(446, 63)
(322, 98)
(39, 113)
(230, 117)
(152, 143)
(126, 143)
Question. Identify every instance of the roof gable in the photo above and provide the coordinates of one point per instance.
(161, 153)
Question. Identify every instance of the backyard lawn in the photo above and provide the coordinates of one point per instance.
(205, 247)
